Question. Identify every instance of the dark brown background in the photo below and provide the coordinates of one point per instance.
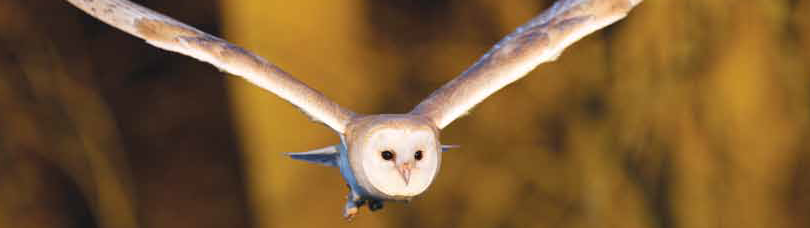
(688, 113)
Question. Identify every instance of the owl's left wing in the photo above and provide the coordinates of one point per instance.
(540, 40)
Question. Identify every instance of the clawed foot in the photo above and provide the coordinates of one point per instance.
(352, 207)
(353, 203)
(349, 213)
(374, 205)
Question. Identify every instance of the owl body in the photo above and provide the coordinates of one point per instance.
(390, 157)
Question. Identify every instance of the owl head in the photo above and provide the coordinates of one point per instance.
(394, 156)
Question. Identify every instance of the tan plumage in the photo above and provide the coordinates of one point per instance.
(381, 157)
(540, 40)
(169, 34)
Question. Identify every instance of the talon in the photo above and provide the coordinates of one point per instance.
(374, 205)
(359, 203)
(350, 213)
(352, 206)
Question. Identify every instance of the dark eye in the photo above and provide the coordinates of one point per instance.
(418, 155)
(387, 155)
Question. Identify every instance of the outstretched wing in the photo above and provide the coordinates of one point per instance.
(540, 40)
(169, 34)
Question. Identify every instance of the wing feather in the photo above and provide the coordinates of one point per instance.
(540, 40)
(169, 34)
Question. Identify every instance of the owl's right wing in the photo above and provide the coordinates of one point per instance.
(169, 34)
(540, 40)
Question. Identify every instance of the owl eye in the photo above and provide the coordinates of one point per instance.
(418, 155)
(387, 155)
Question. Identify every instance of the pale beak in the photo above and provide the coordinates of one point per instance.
(405, 171)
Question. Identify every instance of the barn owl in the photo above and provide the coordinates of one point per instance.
(388, 157)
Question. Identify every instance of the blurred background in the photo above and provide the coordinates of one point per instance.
(688, 113)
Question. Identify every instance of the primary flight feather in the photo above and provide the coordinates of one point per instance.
(386, 157)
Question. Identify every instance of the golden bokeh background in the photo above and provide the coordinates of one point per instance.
(688, 113)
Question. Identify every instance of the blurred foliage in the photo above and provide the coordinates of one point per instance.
(688, 113)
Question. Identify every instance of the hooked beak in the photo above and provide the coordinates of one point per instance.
(405, 171)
